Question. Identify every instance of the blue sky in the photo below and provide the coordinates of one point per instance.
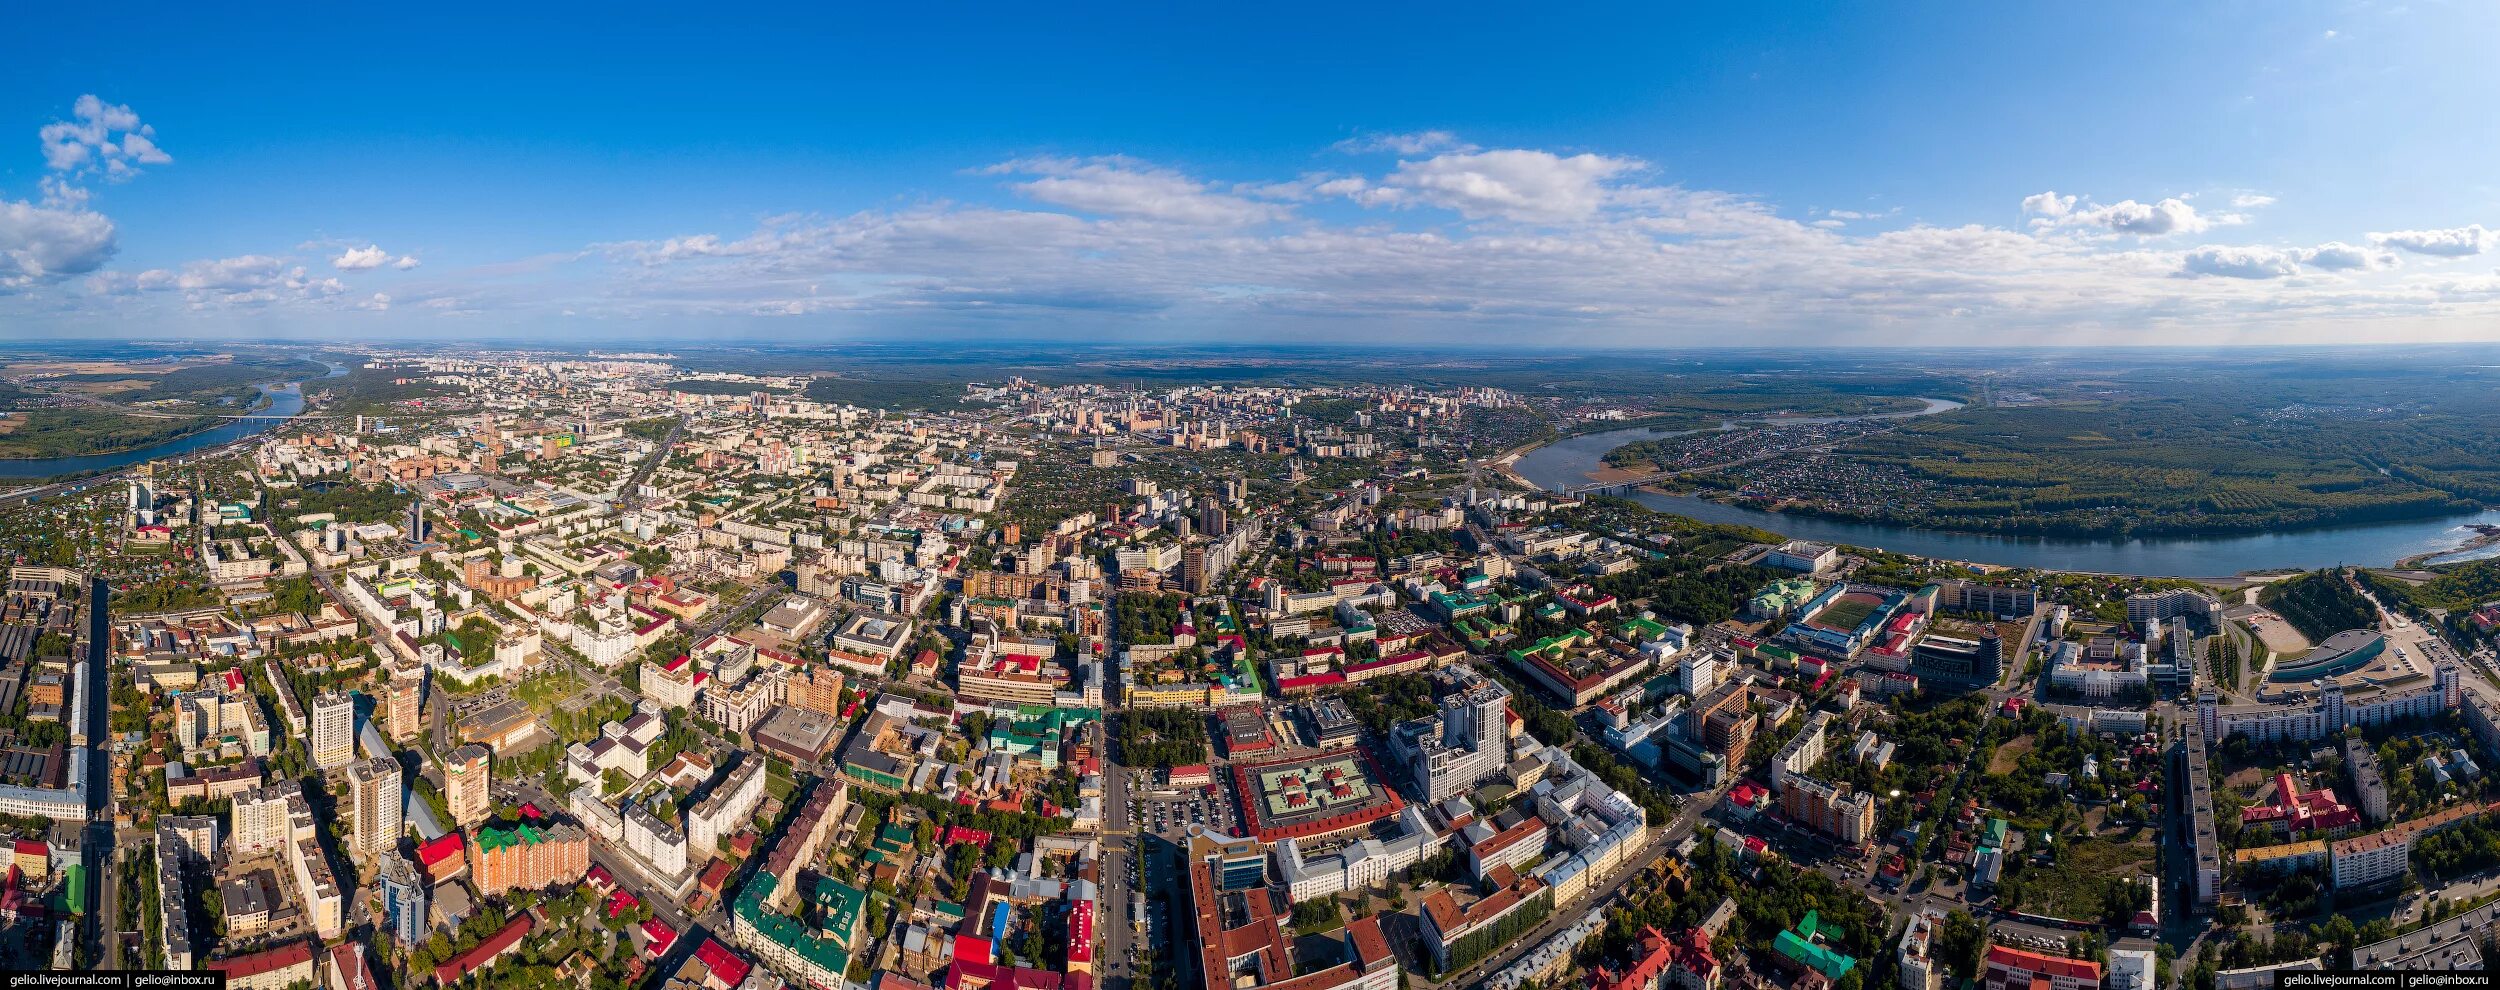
(1641, 174)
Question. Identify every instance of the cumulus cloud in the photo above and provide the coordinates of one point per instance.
(39, 242)
(2240, 262)
(1512, 184)
(2048, 204)
(361, 259)
(2339, 256)
(243, 280)
(2258, 262)
(406, 261)
(2168, 216)
(1413, 143)
(1482, 244)
(1125, 187)
(2453, 242)
(101, 136)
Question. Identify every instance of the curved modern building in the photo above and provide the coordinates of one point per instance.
(2342, 653)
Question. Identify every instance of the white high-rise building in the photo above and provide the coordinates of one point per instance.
(334, 730)
(1467, 741)
(658, 843)
(268, 818)
(729, 806)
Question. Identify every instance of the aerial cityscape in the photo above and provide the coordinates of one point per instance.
(1139, 499)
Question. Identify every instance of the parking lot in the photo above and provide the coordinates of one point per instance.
(1163, 812)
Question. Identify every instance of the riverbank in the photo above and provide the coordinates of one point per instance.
(1566, 462)
(285, 401)
(69, 432)
(2486, 537)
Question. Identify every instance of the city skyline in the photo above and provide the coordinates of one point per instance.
(1947, 175)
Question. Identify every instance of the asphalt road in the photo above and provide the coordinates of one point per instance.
(101, 851)
(1119, 849)
(641, 474)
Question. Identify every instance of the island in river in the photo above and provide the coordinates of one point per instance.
(1574, 461)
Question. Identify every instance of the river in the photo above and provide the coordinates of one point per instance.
(1567, 462)
(285, 400)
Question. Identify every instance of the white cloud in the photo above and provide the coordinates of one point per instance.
(48, 241)
(244, 280)
(1125, 187)
(406, 261)
(1514, 184)
(1308, 186)
(361, 259)
(2048, 204)
(2339, 256)
(107, 136)
(2251, 201)
(2168, 216)
(2240, 262)
(2453, 242)
(1535, 246)
(1413, 143)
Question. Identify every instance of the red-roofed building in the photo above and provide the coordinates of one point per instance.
(2015, 969)
(1685, 963)
(1307, 683)
(486, 953)
(728, 968)
(443, 857)
(2294, 811)
(1081, 936)
(1386, 665)
(1746, 799)
(658, 936)
(1189, 775)
(269, 969)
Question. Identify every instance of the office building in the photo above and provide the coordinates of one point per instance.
(1448, 753)
(403, 901)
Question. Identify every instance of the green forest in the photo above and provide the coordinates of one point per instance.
(2319, 604)
(2188, 449)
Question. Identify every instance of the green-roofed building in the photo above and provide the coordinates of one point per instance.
(1039, 733)
(494, 839)
(1457, 605)
(1803, 947)
(1640, 629)
(891, 841)
(877, 776)
(838, 908)
(788, 946)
